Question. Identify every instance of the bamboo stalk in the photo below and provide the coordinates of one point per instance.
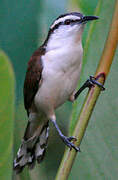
(92, 96)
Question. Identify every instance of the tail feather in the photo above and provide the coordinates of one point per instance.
(32, 149)
(42, 144)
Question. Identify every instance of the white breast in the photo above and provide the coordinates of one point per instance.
(61, 71)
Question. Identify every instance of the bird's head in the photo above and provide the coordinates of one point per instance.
(68, 27)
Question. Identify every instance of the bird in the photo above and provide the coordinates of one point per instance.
(51, 79)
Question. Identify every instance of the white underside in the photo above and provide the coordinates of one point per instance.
(60, 75)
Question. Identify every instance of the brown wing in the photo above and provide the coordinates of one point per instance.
(33, 77)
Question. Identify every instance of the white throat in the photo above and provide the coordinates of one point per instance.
(64, 37)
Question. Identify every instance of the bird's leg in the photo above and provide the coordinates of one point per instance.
(66, 140)
(88, 84)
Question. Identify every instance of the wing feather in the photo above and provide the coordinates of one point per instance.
(33, 78)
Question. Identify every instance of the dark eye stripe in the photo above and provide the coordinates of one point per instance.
(64, 23)
(56, 26)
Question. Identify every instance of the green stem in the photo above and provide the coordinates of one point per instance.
(92, 96)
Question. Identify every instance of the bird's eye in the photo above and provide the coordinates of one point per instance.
(67, 22)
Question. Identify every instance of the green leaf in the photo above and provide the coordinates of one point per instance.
(98, 159)
(19, 34)
(6, 117)
(87, 6)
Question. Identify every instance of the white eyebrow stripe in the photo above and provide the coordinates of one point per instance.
(64, 18)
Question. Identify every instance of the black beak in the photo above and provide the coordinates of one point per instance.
(85, 19)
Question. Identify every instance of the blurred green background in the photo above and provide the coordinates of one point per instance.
(23, 28)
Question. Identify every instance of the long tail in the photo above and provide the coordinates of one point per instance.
(32, 149)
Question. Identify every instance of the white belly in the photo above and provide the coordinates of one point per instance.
(59, 81)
